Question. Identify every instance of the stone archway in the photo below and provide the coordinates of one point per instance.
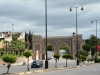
(63, 51)
(39, 43)
(53, 50)
(53, 47)
(64, 44)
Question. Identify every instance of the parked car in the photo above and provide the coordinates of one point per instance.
(49, 58)
(37, 64)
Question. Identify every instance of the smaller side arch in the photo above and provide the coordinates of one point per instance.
(52, 45)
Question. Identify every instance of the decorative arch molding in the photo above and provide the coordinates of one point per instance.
(66, 42)
(52, 42)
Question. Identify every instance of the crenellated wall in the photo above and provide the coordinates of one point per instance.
(57, 37)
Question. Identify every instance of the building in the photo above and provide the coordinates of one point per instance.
(39, 44)
(8, 36)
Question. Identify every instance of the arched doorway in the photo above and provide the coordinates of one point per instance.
(50, 50)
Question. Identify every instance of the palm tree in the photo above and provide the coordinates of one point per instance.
(6, 43)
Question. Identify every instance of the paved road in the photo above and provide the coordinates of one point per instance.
(17, 69)
(88, 70)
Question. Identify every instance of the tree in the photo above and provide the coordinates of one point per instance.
(9, 60)
(49, 47)
(30, 39)
(92, 42)
(93, 51)
(65, 47)
(2, 50)
(21, 46)
(67, 56)
(56, 57)
(6, 45)
(17, 46)
(87, 41)
(27, 54)
(86, 47)
(26, 40)
(84, 53)
(26, 36)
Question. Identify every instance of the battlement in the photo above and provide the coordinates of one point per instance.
(57, 36)
(37, 35)
(43, 37)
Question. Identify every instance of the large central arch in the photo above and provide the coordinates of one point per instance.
(62, 44)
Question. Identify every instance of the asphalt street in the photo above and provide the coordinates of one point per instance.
(17, 69)
(87, 70)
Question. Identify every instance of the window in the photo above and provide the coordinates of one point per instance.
(76, 46)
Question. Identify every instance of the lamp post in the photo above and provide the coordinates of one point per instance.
(76, 29)
(96, 34)
(12, 31)
(46, 61)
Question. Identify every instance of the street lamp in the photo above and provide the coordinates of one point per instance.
(96, 34)
(12, 31)
(76, 29)
(46, 61)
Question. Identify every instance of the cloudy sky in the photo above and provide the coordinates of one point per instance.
(29, 15)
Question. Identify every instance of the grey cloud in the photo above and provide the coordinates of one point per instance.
(30, 15)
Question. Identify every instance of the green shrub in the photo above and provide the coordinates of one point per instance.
(83, 58)
(96, 60)
(99, 60)
(27, 54)
(9, 59)
(91, 60)
(56, 57)
(99, 54)
(2, 53)
(88, 60)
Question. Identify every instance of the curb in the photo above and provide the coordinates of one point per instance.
(21, 73)
(38, 71)
(51, 69)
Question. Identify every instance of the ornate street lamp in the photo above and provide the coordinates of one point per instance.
(76, 29)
